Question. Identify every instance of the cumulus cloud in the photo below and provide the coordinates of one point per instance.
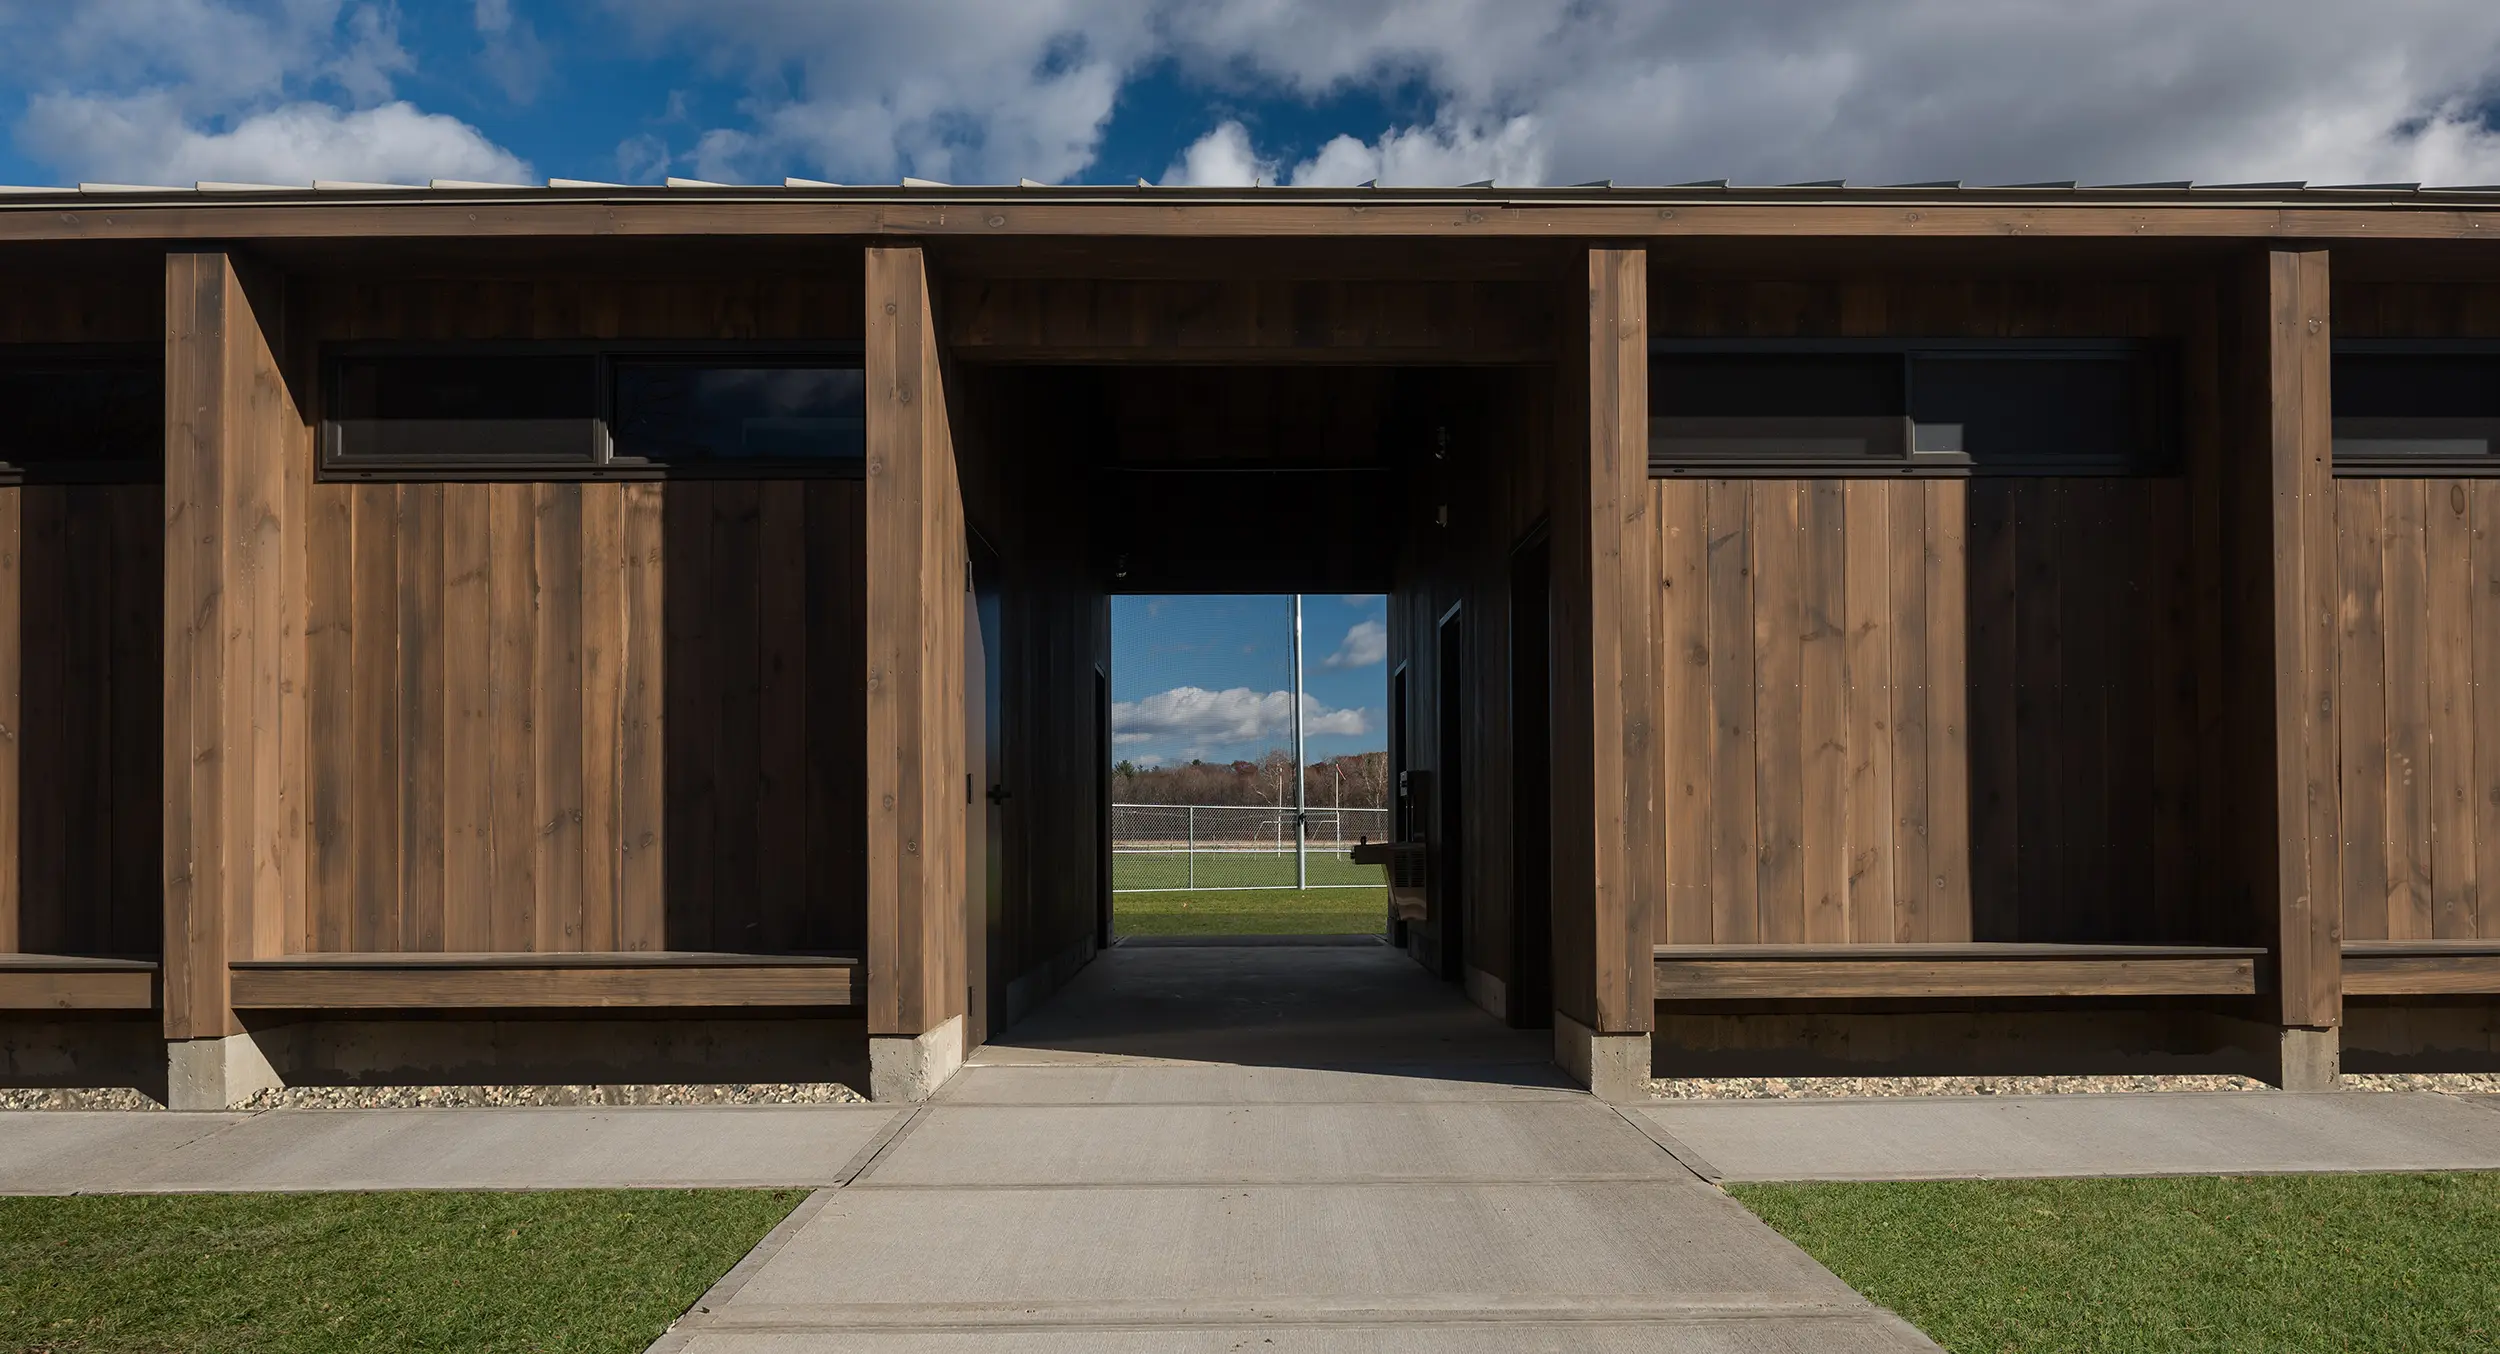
(1221, 159)
(144, 140)
(957, 90)
(172, 91)
(1365, 644)
(1196, 717)
(1532, 91)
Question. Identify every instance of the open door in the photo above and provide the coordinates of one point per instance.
(985, 797)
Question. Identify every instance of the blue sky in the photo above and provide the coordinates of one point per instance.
(1210, 678)
(1227, 91)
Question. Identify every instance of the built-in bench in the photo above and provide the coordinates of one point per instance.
(656, 978)
(68, 982)
(2406, 968)
(1975, 969)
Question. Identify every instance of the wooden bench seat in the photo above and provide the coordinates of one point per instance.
(2408, 968)
(1976, 969)
(69, 982)
(656, 978)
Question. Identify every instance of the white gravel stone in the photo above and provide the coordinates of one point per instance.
(1833, 1088)
(461, 1097)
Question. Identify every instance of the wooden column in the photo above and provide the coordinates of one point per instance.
(2299, 453)
(238, 460)
(12, 667)
(1608, 864)
(916, 582)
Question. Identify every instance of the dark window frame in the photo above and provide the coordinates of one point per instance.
(602, 463)
(2419, 464)
(1935, 450)
(143, 470)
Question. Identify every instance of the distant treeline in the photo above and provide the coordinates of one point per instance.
(1357, 780)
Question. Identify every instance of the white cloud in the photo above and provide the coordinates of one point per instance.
(1222, 158)
(1200, 718)
(1987, 90)
(144, 139)
(947, 89)
(1366, 643)
(172, 91)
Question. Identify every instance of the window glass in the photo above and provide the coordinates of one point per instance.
(2060, 414)
(77, 418)
(2417, 413)
(466, 410)
(683, 410)
(1775, 385)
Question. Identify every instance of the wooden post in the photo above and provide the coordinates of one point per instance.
(2280, 528)
(1608, 863)
(238, 461)
(916, 788)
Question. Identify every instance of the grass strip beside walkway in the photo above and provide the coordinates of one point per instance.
(590, 1270)
(2383, 1263)
(1251, 912)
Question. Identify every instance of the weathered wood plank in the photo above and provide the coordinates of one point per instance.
(1685, 664)
(2407, 887)
(512, 676)
(1905, 563)
(556, 717)
(642, 884)
(2360, 702)
(1871, 615)
(421, 717)
(1824, 774)
(1734, 802)
(1994, 679)
(781, 824)
(738, 911)
(2447, 558)
(1779, 728)
(1949, 812)
(12, 728)
(603, 677)
(2485, 658)
(490, 983)
(376, 703)
(468, 757)
(2041, 798)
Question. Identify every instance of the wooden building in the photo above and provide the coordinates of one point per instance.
(636, 634)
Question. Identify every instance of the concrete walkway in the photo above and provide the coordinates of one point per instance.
(1314, 1149)
(1966, 1137)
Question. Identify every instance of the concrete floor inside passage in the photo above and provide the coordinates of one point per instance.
(1314, 1148)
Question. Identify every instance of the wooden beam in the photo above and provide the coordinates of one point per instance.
(2296, 450)
(238, 459)
(348, 982)
(2389, 968)
(1609, 844)
(12, 678)
(1250, 320)
(916, 583)
(971, 215)
(1741, 972)
(42, 982)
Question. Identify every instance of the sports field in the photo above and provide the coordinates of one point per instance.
(1244, 893)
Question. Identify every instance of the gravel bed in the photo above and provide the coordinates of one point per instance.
(461, 1097)
(486, 1097)
(1833, 1088)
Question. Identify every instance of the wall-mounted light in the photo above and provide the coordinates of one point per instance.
(1441, 515)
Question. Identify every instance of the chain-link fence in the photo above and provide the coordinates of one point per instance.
(1157, 848)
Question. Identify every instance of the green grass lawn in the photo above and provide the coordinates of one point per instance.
(1235, 869)
(1251, 912)
(258, 1273)
(2377, 1263)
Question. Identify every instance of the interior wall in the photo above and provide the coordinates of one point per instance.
(1024, 448)
(586, 716)
(1900, 711)
(82, 578)
(2417, 664)
(1494, 482)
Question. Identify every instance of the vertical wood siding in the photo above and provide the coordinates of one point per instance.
(2417, 689)
(585, 717)
(1925, 710)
